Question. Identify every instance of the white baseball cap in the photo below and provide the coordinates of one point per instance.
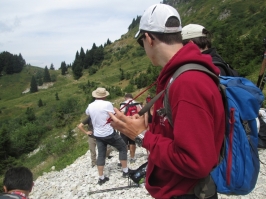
(155, 18)
(191, 31)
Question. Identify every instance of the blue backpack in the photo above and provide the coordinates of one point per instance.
(239, 164)
(238, 171)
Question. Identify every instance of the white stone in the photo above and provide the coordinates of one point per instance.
(77, 179)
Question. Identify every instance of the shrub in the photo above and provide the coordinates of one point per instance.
(129, 88)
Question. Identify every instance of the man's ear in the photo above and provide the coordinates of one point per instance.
(190, 41)
(5, 189)
(149, 39)
(31, 187)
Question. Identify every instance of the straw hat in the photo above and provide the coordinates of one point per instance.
(100, 93)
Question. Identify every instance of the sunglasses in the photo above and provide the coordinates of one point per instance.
(140, 39)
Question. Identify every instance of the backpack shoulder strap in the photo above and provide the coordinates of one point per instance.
(150, 103)
(125, 107)
(226, 67)
(178, 72)
(134, 104)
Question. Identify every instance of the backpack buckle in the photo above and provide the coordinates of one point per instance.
(161, 112)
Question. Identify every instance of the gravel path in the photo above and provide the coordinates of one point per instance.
(78, 179)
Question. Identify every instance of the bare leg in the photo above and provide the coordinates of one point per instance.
(109, 150)
(92, 146)
(124, 163)
(132, 150)
(100, 170)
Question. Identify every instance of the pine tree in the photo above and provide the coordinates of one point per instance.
(94, 47)
(46, 76)
(22, 61)
(88, 61)
(108, 42)
(40, 104)
(56, 96)
(122, 76)
(63, 68)
(10, 63)
(30, 114)
(52, 66)
(98, 55)
(40, 82)
(33, 85)
(77, 56)
(5, 144)
(77, 69)
(82, 57)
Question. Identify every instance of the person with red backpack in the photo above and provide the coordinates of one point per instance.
(148, 98)
(129, 110)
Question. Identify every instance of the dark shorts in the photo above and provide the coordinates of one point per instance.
(127, 140)
(114, 140)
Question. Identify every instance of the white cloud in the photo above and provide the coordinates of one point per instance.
(52, 31)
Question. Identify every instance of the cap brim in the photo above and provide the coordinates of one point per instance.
(137, 34)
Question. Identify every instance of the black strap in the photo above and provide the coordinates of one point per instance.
(150, 103)
(130, 104)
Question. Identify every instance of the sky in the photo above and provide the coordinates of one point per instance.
(48, 32)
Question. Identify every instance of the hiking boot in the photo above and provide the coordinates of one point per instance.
(100, 181)
(125, 174)
(132, 160)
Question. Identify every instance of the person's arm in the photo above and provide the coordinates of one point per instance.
(80, 126)
(263, 66)
(262, 70)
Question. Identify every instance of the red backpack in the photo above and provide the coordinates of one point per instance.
(130, 109)
(148, 99)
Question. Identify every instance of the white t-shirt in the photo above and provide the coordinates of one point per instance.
(262, 115)
(98, 111)
(262, 112)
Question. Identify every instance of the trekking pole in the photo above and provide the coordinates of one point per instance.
(262, 79)
(113, 189)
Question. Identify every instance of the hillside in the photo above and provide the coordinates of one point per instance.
(24, 126)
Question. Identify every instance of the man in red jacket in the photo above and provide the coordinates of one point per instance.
(183, 154)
